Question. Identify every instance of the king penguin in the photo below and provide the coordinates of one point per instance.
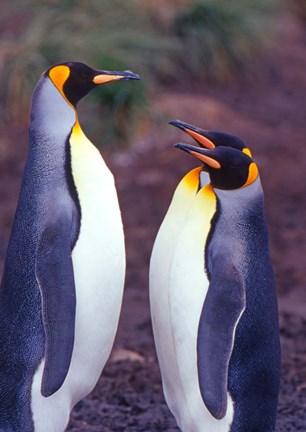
(212, 294)
(62, 285)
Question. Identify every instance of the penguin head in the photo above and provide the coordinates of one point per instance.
(228, 168)
(74, 80)
(212, 139)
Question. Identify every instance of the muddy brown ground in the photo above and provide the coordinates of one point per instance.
(268, 110)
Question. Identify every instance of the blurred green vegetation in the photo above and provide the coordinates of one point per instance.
(221, 38)
(201, 40)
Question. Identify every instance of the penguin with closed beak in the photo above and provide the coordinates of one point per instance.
(62, 285)
(213, 297)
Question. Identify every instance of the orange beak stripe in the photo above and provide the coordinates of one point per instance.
(103, 79)
(207, 160)
(205, 142)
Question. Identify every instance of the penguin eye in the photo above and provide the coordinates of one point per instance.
(84, 76)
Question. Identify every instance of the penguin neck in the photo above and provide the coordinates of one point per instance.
(51, 114)
(204, 179)
(239, 200)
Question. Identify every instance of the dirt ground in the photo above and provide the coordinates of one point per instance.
(268, 110)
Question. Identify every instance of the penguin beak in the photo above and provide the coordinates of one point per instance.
(203, 155)
(104, 77)
(200, 135)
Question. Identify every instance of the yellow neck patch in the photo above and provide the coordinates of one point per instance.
(208, 191)
(253, 174)
(191, 179)
(59, 75)
(77, 130)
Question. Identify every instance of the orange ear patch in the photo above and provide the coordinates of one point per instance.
(205, 142)
(205, 159)
(253, 174)
(59, 75)
(247, 152)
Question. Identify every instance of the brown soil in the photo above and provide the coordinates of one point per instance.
(268, 111)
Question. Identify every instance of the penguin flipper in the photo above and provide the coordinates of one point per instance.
(223, 306)
(54, 272)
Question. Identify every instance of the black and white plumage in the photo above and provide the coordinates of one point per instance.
(61, 290)
(213, 297)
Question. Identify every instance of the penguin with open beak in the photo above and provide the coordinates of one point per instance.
(211, 139)
(62, 285)
(213, 297)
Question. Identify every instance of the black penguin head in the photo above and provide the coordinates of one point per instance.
(212, 139)
(74, 80)
(228, 168)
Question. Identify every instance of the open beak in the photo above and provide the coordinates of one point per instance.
(104, 77)
(197, 134)
(202, 154)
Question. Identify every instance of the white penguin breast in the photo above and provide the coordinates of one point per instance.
(176, 312)
(99, 269)
(160, 268)
(98, 263)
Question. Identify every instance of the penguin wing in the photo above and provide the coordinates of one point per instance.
(54, 272)
(223, 306)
